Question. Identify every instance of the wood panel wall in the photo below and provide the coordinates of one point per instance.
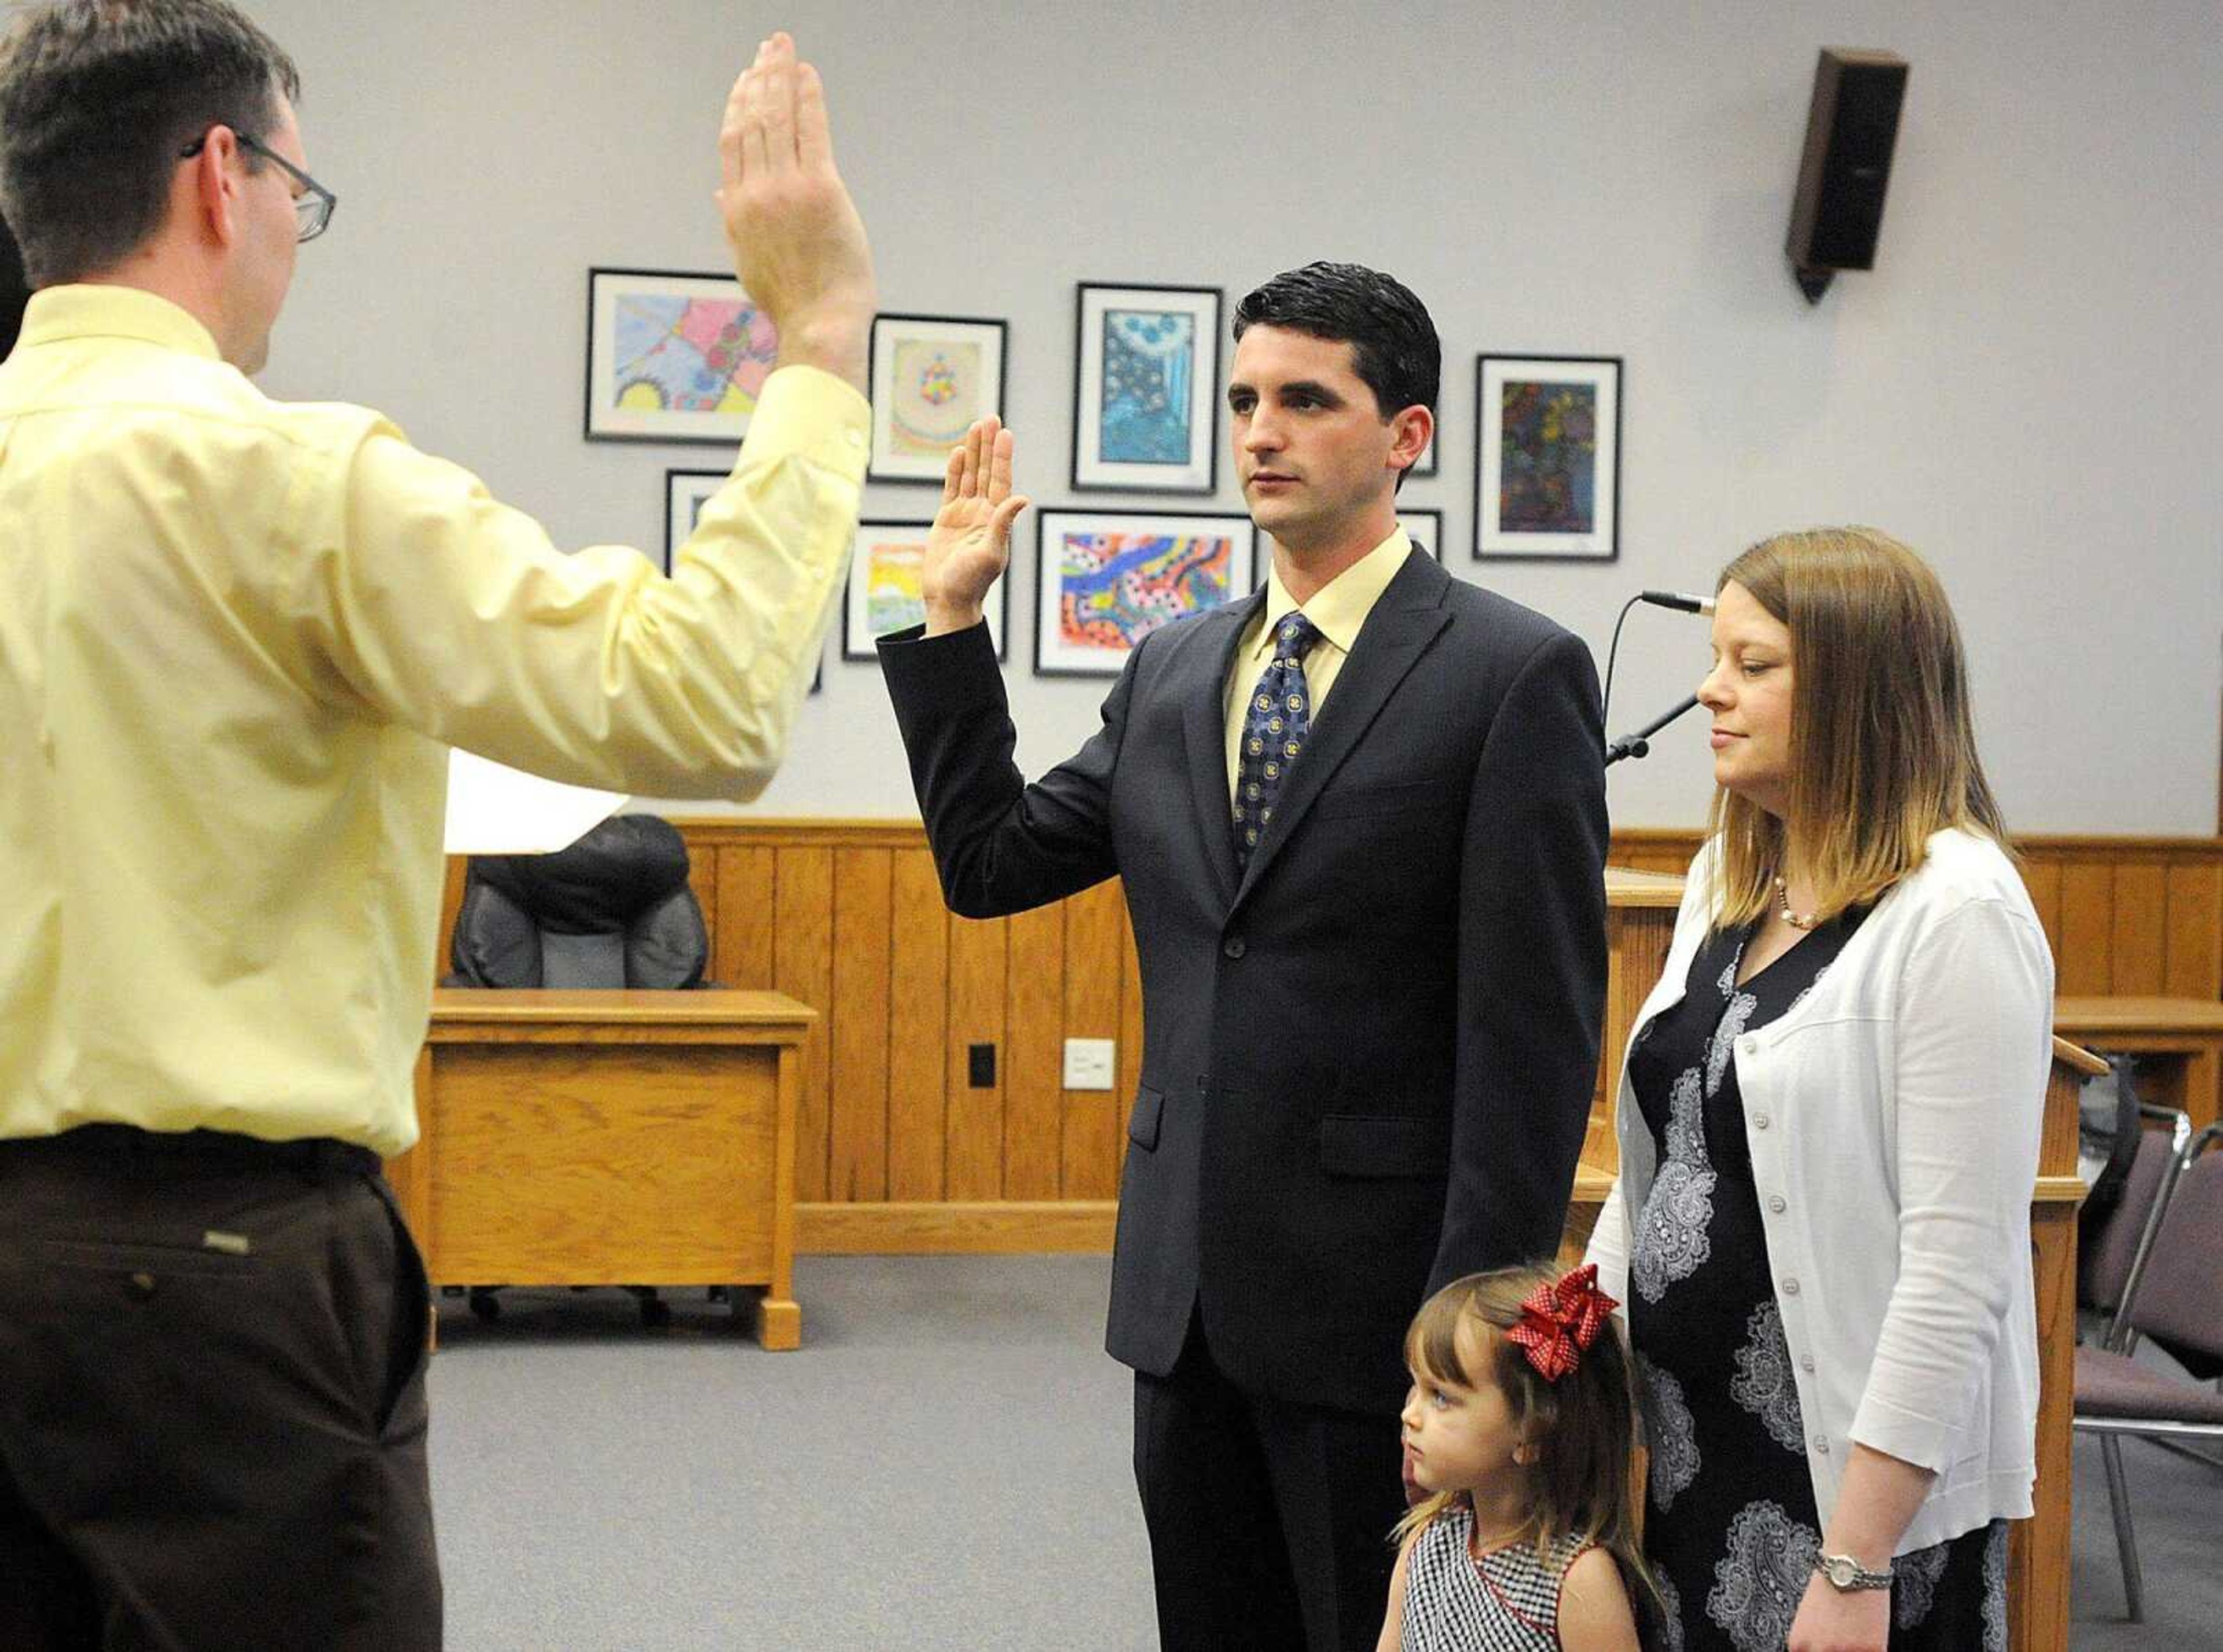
(898, 1150)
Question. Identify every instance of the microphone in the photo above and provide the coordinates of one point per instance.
(1681, 601)
(1640, 744)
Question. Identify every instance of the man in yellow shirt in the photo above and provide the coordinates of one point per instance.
(237, 640)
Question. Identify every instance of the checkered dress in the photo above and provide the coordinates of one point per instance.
(1506, 1601)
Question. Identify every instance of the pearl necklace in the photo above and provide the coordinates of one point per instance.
(1801, 921)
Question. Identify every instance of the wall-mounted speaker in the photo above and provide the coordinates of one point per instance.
(1850, 128)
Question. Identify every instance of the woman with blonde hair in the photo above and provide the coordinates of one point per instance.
(1828, 1127)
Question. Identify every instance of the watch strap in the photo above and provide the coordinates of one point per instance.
(1846, 1573)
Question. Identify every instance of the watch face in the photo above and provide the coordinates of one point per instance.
(1846, 1573)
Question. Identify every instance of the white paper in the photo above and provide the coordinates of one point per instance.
(493, 810)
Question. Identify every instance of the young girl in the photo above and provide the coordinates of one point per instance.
(1520, 1428)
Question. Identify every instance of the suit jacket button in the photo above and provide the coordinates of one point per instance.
(1233, 946)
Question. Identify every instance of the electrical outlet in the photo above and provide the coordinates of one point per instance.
(980, 1065)
(1091, 1062)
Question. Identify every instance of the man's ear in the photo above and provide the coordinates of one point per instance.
(209, 186)
(1413, 429)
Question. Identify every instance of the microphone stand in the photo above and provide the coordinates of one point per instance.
(1640, 744)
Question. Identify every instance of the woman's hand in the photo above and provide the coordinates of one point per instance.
(970, 543)
(1839, 1620)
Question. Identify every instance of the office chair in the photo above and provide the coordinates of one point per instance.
(2174, 1297)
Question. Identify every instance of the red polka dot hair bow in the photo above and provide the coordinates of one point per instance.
(1559, 1322)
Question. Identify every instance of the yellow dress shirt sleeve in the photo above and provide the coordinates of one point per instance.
(434, 604)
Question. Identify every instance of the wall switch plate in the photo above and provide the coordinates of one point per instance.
(1090, 1064)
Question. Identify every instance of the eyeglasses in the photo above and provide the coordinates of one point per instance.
(313, 207)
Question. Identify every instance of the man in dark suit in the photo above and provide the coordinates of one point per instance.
(1360, 817)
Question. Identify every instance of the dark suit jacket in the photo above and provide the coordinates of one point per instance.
(1368, 1058)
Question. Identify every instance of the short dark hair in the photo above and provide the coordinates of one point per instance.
(96, 98)
(1394, 344)
(15, 294)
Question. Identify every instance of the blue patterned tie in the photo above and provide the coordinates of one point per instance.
(1273, 731)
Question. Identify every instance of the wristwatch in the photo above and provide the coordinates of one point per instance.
(1846, 1573)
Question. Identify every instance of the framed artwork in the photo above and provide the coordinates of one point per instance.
(932, 376)
(1424, 528)
(884, 594)
(673, 357)
(1105, 580)
(1426, 464)
(1547, 458)
(685, 493)
(1146, 380)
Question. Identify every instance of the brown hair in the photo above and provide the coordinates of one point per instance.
(1582, 1479)
(1883, 748)
(97, 98)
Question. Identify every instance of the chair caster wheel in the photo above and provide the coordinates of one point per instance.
(485, 1306)
(655, 1313)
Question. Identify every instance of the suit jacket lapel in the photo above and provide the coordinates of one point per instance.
(1204, 726)
(1405, 619)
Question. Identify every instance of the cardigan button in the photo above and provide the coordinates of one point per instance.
(1791, 1287)
(1760, 1121)
(1806, 1362)
(1821, 1445)
(1775, 1202)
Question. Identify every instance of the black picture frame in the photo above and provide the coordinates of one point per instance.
(604, 420)
(1494, 540)
(991, 333)
(1424, 525)
(1053, 658)
(683, 493)
(858, 637)
(1197, 472)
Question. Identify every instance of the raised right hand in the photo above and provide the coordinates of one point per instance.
(798, 246)
(970, 543)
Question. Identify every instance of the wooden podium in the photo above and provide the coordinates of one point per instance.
(1639, 923)
(611, 1138)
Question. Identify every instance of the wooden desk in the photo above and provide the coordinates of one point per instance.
(611, 1138)
(2186, 1034)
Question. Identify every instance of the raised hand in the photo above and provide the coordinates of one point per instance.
(970, 543)
(798, 246)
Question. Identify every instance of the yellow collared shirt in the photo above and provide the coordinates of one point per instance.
(236, 638)
(1337, 608)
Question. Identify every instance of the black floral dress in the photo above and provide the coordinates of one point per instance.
(1731, 1530)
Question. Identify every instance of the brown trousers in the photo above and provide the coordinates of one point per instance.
(212, 1415)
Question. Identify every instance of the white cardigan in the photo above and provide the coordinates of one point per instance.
(1893, 1116)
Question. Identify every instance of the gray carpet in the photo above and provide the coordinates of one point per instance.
(944, 1465)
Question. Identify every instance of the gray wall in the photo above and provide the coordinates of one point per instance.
(2027, 389)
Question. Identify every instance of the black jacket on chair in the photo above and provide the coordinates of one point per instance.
(1368, 1058)
(615, 909)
